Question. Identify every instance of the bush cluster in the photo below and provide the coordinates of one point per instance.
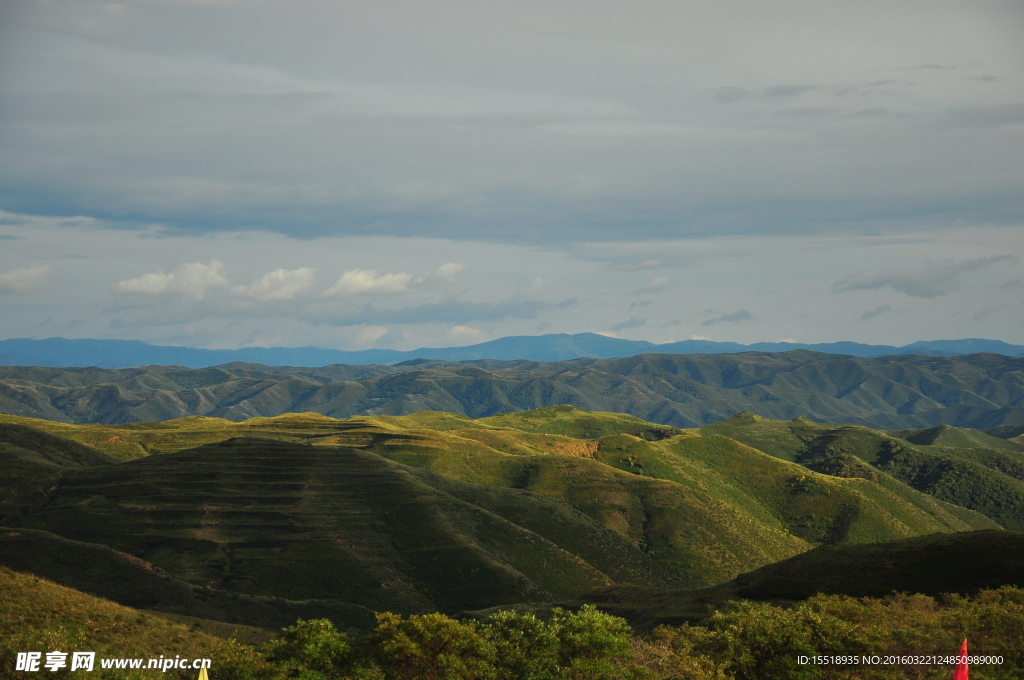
(742, 641)
(582, 645)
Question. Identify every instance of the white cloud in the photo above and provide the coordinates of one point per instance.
(368, 335)
(189, 280)
(369, 282)
(655, 285)
(280, 284)
(463, 333)
(448, 272)
(23, 280)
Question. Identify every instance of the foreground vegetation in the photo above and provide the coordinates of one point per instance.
(743, 640)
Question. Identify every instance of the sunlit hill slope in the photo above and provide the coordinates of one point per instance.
(428, 511)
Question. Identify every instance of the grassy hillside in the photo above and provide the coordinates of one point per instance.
(988, 480)
(964, 563)
(956, 437)
(104, 572)
(1013, 433)
(426, 511)
(38, 615)
(980, 390)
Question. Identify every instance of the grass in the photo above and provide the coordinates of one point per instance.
(39, 615)
(435, 511)
(964, 563)
(980, 477)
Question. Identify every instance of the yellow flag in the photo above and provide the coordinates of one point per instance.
(203, 675)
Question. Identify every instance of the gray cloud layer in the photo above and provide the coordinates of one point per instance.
(734, 317)
(540, 124)
(926, 280)
(223, 173)
(877, 311)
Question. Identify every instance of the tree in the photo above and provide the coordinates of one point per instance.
(432, 647)
(311, 650)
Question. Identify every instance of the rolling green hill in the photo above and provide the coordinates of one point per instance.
(895, 392)
(1012, 433)
(104, 572)
(963, 563)
(989, 480)
(429, 511)
(37, 614)
(957, 437)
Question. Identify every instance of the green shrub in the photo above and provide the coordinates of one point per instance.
(431, 647)
(311, 650)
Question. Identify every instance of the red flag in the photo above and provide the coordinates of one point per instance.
(961, 663)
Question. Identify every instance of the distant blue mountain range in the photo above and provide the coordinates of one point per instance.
(61, 352)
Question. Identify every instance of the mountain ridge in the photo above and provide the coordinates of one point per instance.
(85, 352)
(980, 391)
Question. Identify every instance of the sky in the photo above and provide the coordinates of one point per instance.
(231, 173)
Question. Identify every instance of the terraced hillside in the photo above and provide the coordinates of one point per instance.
(896, 392)
(432, 510)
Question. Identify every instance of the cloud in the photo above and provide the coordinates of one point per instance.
(987, 115)
(463, 333)
(929, 67)
(633, 267)
(728, 95)
(515, 157)
(450, 312)
(370, 335)
(23, 280)
(632, 322)
(1016, 283)
(190, 280)
(875, 312)
(369, 282)
(980, 315)
(280, 284)
(786, 91)
(448, 272)
(735, 317)
(655, 285)
(925, 279)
